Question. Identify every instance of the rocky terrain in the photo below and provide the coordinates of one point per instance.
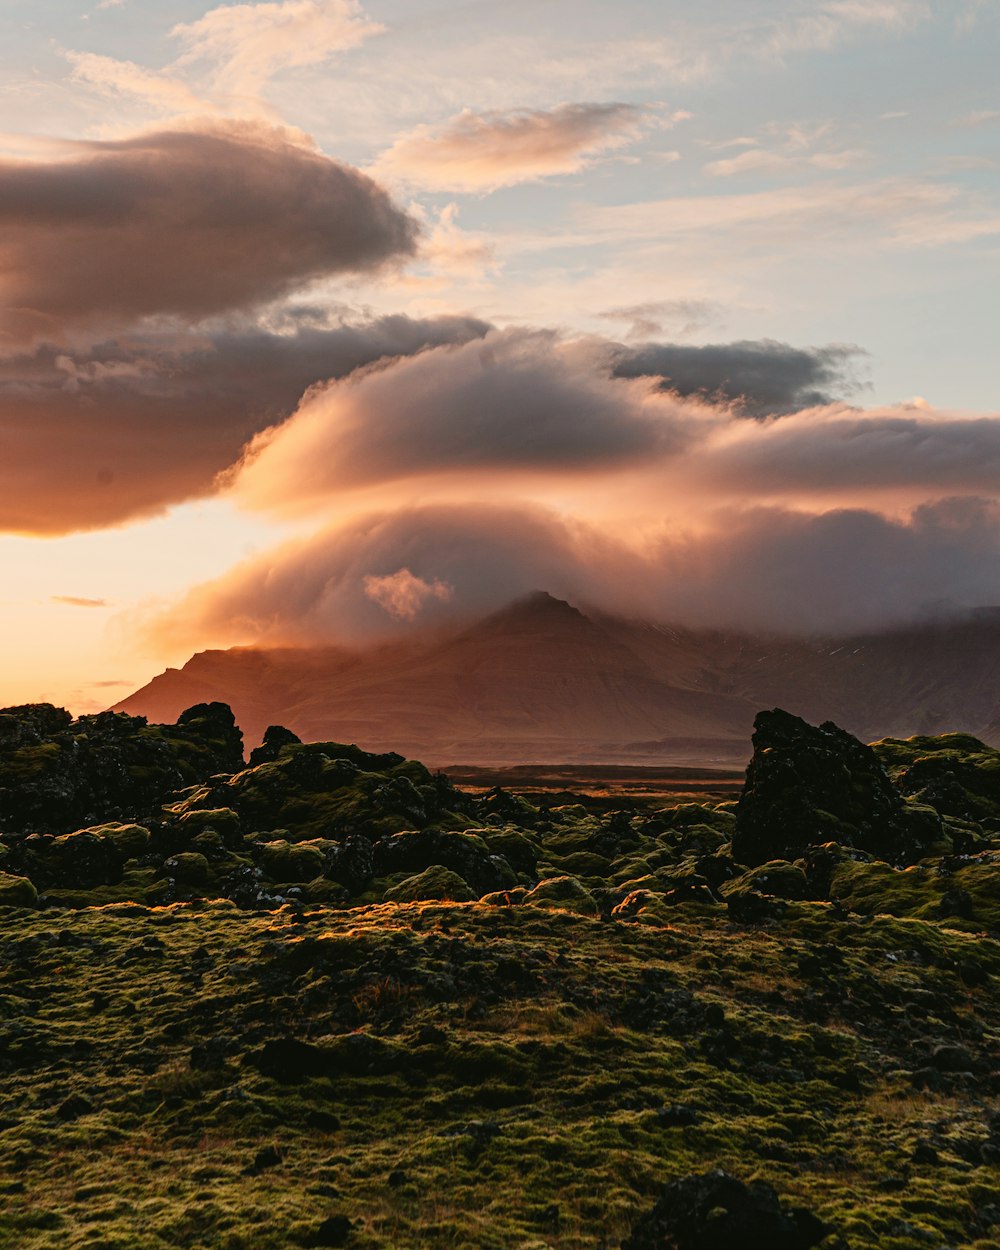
(325, 997)
(542, 681)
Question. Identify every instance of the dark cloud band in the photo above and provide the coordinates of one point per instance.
(188, 222)
(129, 426)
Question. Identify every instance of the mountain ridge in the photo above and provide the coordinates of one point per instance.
(544, 681)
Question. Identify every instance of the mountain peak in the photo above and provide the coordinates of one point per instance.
(539, 605)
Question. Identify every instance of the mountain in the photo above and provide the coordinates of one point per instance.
(542, 681)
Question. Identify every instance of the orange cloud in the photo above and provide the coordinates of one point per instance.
(760, 568)
(402, 595)
(480, 152)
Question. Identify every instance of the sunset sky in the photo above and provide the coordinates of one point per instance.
(320, 321)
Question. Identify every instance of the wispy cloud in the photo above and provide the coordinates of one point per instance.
(827, 25)
(249, 43)
(909, 212)
(678, 317)
(402, 595)
(978, 117)
(77, 601)
(231, 54)
(483, 151)
(161, 90)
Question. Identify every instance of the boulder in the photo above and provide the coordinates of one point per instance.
(16, 891)
(807, 785)
(436, 882)
(776, 878)
(564, 894)
(465, 854)
(275, 737)
(281, 861)
(718, 1212)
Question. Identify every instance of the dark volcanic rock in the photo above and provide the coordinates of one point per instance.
(58, 774)
(275, 737)
(806, 786)
(74, 1107)
(216, 726)
(334, 1231)
(289, 1061)
(718, 1212)
(352, 863)
(413, 852)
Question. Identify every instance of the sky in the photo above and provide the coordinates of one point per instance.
(323, 321)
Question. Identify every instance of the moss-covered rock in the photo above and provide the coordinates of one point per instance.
(16, 891)
(955, 774)
(189, 868)
(777, 878)
(964, 898)
(434, 883)
(564, 893)
(58, 774)
(465, 854)
(130, 840)
(283, 861)
(221, 820)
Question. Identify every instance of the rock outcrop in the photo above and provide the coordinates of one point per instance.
(807, 785)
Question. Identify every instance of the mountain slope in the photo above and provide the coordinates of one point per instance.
(542, 681)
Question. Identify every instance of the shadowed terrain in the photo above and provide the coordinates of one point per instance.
(325, 997)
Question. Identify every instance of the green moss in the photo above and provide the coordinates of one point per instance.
(130, 840)
(189, 867)
(282, 861)
(436, 882)
(222, 820)
(778, 878)
(505, 1065)
(968, 898)
(16, 891)
(564, 893)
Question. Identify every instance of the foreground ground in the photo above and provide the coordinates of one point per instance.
(510, 1027)
(479, 1076)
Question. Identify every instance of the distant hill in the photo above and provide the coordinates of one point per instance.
(541, 681)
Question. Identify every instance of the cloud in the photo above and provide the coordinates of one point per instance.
(759, 569)
(402, 595)
(978, 117)
(75, 601)
(95, 436)
(762, 376)
(479, 152)
(904, 211)
(187, 222)
(525, 412)
(445, 484)
(249, 43)
(974, 12)
(520, 402)
(681, 316)
(832, 23)
(844, 450)
(316, 589)
(752, 161)
(125, 78)
(448, 249)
